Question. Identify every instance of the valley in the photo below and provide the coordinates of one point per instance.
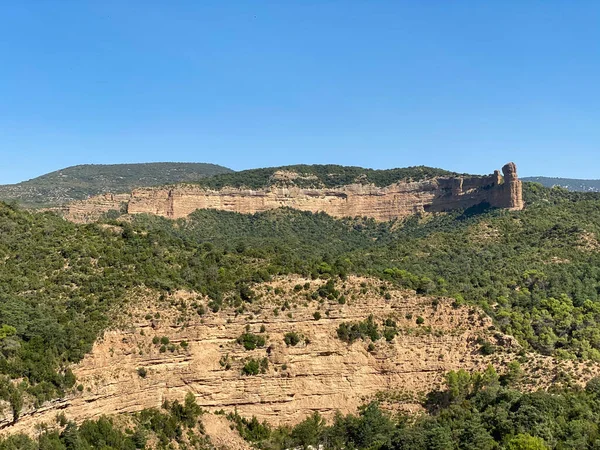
(249, 313)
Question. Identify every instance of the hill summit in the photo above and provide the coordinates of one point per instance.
(83, 181)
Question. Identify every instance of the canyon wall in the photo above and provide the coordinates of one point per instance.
(320, 373)
(381, 203)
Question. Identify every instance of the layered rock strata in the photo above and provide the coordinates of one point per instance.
(320, 373)
(381, 203)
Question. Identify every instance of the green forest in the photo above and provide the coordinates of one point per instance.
(535, 272)
(320, 176)
(83, 181)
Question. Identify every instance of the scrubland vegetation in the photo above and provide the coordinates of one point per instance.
(535, 272)
(479, 411)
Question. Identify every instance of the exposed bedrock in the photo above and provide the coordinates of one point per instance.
(381, 203)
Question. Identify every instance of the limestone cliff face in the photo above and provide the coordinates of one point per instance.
(381, 203)
(321, 373)
(92, 208)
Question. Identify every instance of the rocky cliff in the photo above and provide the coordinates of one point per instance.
(397, 200)
(182, 351)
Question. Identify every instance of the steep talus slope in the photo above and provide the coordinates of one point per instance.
(81, 182)
(320, 373)
(377, 194)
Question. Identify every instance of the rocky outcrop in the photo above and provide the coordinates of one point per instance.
(94, 207)
(381, 203)
(320, 373)
(511, 194)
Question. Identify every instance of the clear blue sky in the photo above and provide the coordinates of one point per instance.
(463, 85)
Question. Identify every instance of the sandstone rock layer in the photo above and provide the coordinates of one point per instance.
(381, 203)
(321, 373)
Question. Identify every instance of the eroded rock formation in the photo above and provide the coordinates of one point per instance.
(320, 373)
(381, 203)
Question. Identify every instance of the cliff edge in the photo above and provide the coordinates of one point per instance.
(396, 200)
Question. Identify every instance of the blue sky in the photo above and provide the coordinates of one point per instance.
(463, 85)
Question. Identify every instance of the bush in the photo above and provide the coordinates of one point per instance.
(292, 338)
(142, 372)
(252, 367)
(255, 366)
(350, 332)
(251, 341)
(487, 348)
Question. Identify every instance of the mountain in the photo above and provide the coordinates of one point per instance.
(336, 190)
(83, 181)
(470, 328)
(571, 184)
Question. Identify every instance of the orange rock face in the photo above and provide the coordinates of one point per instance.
(381, 203)
(320, 373)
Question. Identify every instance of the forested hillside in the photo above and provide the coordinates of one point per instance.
(80, 182)
(320, 176)
(536, 272)
(571, 184)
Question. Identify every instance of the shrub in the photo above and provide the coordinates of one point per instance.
(252, 367)
(251, 341)
(487, 348)
(350, 332)
(141, 372)
(292, 338)
(255, 366)
(389, 333)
